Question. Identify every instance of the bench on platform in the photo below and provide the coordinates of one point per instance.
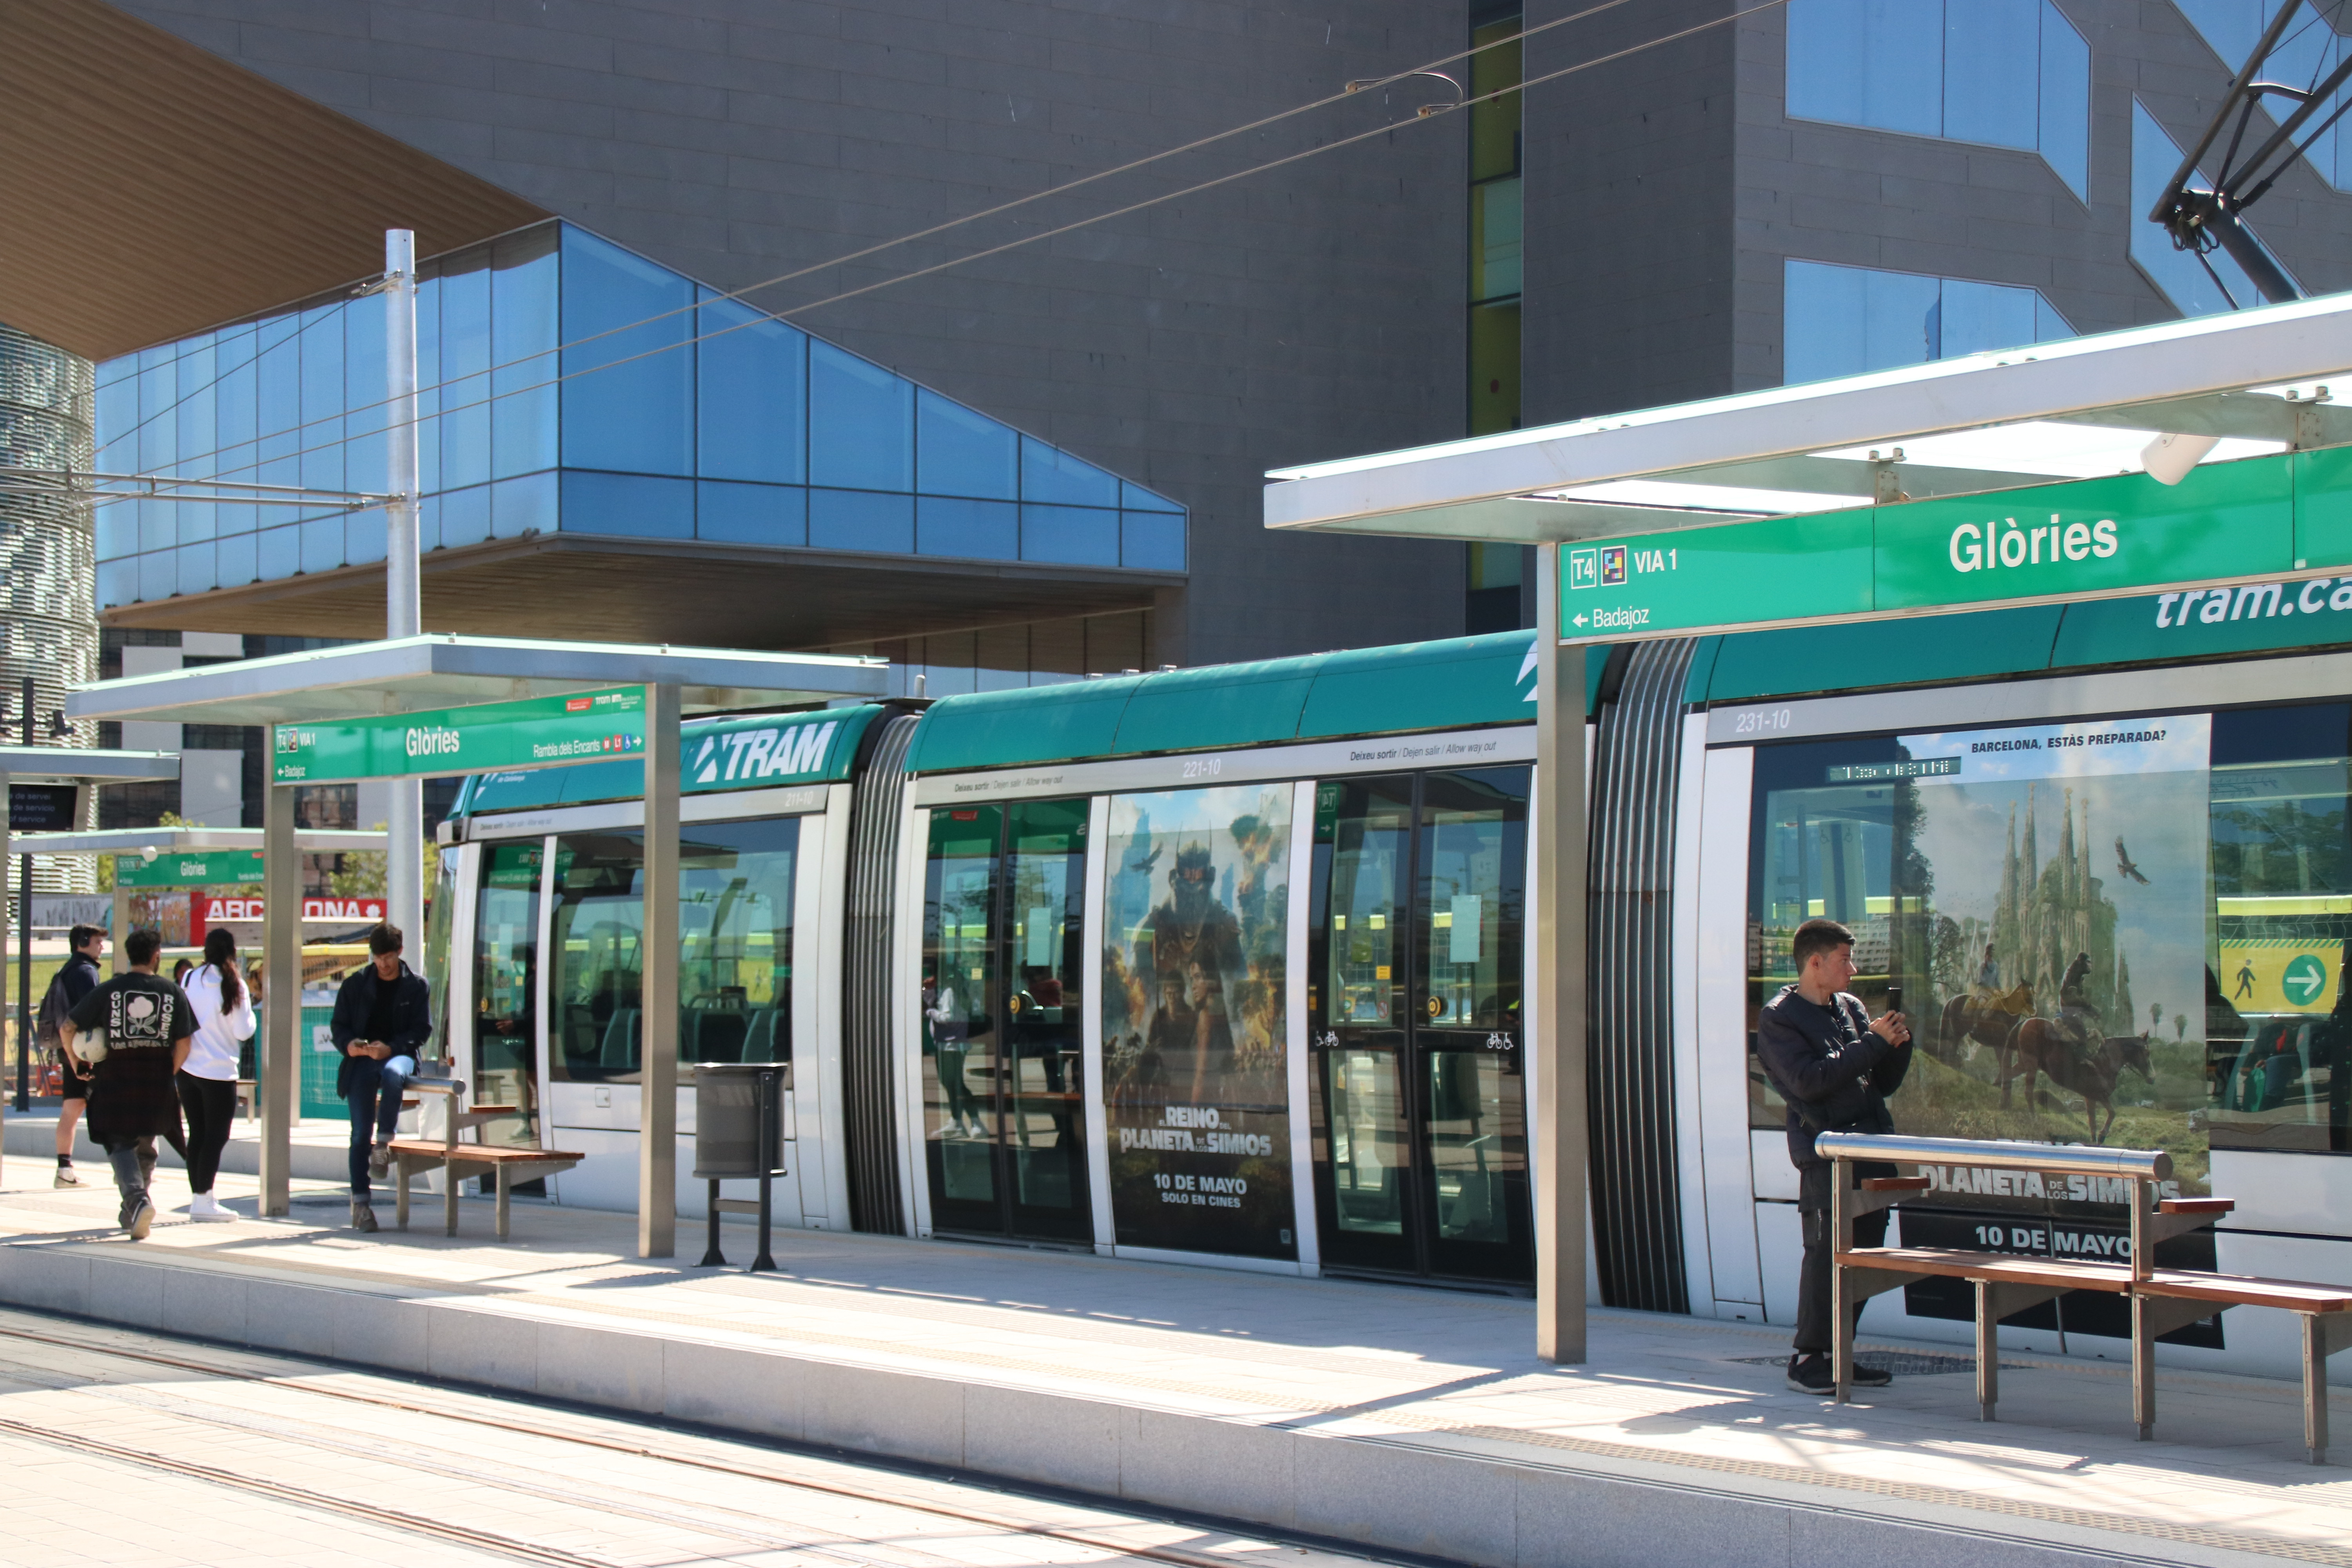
(2162, 1299)
(505, 1165)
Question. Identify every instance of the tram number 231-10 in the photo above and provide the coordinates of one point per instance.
(1762, 720)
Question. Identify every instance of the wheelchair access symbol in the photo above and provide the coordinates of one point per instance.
(2302, 981)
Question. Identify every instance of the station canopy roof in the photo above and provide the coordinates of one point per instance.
(2260, 380)
(80, 765)
(186, 840)
(423, 674)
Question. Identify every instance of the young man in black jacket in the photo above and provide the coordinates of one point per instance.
(1835, 1069)
(383, 1014)
(75, 980)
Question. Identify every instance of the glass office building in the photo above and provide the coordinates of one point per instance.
(568, 384)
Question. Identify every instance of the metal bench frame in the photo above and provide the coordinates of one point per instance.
(2161, 1301)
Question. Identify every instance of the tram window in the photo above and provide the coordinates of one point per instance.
(599, 923)
(735, 941)
(1473, 860)
(2277, 1028)
(735, 949)
(506, 987)
(1366, 828)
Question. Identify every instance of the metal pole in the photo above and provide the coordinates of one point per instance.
(1557, 976)
(657, 1119)
(118, 921)
(405, 843)
(281, 950)
(24, 942)
(770, 1104)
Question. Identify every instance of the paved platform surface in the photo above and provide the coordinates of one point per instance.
(206, 1456)
(1405, 1419)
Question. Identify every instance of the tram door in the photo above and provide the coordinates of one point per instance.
(1419, 1085)
(1004, 1080)
(506, 988)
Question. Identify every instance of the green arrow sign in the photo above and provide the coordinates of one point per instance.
(209, 868)
(2253, 519)
(2303, 980)
(540, 732)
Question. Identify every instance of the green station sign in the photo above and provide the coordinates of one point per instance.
(198, 868)
(2237, 522)
(537, 733)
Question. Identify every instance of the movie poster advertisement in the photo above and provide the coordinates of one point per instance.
(2064, 869)
(1196, 908)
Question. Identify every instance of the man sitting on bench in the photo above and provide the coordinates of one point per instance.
(383, 1016)
(1835, 1069)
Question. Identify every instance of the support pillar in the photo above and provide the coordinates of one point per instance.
(281, 950)
(658, 1140)
(1556, 977)
(405, 819)
(118, 924)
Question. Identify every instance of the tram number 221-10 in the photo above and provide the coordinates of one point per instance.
(1762, 720)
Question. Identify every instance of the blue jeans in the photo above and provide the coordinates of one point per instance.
(374, 1100)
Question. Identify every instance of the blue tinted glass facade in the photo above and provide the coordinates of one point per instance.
(2310, 48)
(1846, 321)
(2007, 73)
(566, 382)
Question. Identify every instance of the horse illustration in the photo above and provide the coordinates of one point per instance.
(2038, 1047)
(1988, 1020)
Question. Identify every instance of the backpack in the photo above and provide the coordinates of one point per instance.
(54, 1008)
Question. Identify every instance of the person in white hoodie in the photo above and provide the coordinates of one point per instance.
(207, 1082)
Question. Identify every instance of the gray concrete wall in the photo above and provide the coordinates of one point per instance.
(1629, 199)
(1309, 313)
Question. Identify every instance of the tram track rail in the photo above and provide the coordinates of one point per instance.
(99, 1344)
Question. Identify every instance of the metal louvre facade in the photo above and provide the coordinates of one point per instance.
(1637, 1197)
(870, 1130)
(47, 559)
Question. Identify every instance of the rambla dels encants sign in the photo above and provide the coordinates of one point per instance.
(537, 733)
(2258, 519)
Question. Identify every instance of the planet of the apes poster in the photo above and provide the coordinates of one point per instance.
(1196, 1095)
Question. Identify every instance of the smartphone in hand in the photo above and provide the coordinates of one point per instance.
(1894, 998)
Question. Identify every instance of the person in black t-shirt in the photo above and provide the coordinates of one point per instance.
(75, 980)
(148, 1024)
(383, 1016)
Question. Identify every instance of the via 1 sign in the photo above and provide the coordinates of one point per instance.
(2255, 520)
(537, 733)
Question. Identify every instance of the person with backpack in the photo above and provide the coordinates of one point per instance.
(207, 1083)
(1835, 1067)
(147, 1024)
(77, 978)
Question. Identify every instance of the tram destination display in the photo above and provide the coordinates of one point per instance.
(1196, 1095)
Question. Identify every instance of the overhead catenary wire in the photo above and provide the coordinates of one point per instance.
(785, 315)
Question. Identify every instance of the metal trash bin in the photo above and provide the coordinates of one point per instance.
(739, 1133)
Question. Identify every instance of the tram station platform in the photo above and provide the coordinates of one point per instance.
(1404, 1420)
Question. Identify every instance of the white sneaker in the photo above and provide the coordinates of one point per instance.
(66, 1177)
(203, 1205)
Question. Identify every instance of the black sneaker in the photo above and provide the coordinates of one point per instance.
(1871, 1376)
(1811, 1373)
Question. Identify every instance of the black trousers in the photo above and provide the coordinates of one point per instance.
(209, 1104)
(1813, 1282)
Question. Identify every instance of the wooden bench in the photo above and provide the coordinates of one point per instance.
(414, 1156)
(2162, 1299)
(506, 1164)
